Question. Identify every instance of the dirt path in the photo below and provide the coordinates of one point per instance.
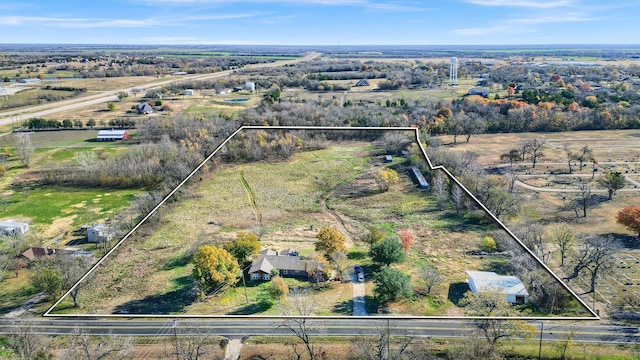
(25, 307)
(337, 219)
(234, 347)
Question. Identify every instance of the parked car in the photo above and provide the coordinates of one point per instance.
(361, 277)
(357, 269)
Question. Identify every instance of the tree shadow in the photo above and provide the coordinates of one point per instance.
(357, 255)
(497, 264)
(456, 291)
(176, 262)
(344, 308)
(254, 308)
(167, 303)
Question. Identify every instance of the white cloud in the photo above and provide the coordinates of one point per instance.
(553, 19)
(481, 31)
(70, 22)
(540, 4)
(319, 2)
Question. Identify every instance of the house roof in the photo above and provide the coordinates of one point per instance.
(38, 252)
(266, 263)
(509, 285)
(267, 252)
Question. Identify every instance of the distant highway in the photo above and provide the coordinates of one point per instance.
(9, 116)
(553, 330)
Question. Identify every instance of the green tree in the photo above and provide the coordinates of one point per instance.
(392, 285)
(488, 244)
(246, 245)
(375, 235)
(67, 124)
(386, 178)
(388, 251)
(278, 288)
(46, 279)
(111, 106)
(613, 181)
(214, 267)
(91, 123)
(494, 304)
(330, 240)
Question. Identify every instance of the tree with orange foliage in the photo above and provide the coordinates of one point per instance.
(630, 217)
(406, 237)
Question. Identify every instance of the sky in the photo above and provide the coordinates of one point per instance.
(320, 22)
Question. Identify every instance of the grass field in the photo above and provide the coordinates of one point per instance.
(151, 273)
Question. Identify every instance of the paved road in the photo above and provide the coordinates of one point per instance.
(234, 328)
(7, 117)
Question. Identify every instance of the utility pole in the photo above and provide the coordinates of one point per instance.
(540, 345)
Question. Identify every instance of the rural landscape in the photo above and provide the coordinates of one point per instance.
(300, 186)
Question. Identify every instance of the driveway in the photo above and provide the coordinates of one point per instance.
(359, 307)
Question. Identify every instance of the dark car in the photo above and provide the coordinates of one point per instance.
(357, 269)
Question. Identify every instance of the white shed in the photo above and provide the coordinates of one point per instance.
(251, 86)
(12, 227)
(511, 286)
(188, 92)
(99, 233)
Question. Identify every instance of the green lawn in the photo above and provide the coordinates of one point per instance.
(80, 204)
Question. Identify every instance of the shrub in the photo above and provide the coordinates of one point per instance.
(489, 244)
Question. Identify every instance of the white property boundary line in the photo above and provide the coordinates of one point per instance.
(331, 128)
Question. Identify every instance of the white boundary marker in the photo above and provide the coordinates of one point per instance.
(331, 128)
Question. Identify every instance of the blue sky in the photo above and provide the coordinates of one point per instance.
(321, 22)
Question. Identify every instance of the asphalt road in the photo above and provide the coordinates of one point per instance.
(584, 332)
(9, 116)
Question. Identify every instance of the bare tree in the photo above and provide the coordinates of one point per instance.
(511, 156)
(431, 277)
(583, 199)
(571, 156)
(379, 344)
(565, 238)
(82, 346)
(512, 177)
(26, 343)
(533, 236)
(298, 307)
(596, 256)
(585, 155)
(533, 148)
(25, 149)
(457, 197)
(439, 187)
(190, 342)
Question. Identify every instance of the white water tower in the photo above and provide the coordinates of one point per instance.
(453, 71)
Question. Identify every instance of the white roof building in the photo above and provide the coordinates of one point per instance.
(12, 227)
(511, 286)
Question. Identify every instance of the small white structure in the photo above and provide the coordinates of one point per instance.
(12, 227)
(112, 135)
(251, 86)
(29, 81)
(225, 91)
(99, 233)
(453, 71)
(511, 286)
(188, 92)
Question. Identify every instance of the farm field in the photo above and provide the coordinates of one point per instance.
(286, 203)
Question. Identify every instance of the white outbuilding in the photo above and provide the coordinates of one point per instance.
(511, 286)
(12, 227)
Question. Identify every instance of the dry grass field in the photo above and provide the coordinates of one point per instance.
(614, 150)
(294, 199)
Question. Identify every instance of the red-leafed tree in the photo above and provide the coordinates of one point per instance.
(630, 217)
(406, 237)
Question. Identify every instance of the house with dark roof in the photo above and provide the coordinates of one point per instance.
(362, 82)
(288, 264)
(144, 108)
(34, 253)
